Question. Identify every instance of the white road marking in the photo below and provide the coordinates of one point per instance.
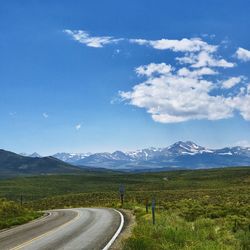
(117, 232)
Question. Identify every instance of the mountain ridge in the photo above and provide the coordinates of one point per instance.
(12, 164)
(178, 155)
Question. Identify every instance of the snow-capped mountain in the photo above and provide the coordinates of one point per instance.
(70, 157)
(234, 151)
(180, 154)
(144, 154)
(188, 147)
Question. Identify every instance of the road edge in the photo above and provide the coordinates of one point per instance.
(127, 231)
(117, 232)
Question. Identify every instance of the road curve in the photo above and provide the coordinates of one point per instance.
(67, 229)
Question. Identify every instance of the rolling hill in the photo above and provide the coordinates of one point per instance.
(13, 164)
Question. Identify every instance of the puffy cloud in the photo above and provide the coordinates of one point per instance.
(91, 41)
(183, 45)
(204, 59)
(241, 102)
(231, 82)
(182, 95)
(153, 68)
(198, 53)
(196, 73)
(186, 90)
(243, 54)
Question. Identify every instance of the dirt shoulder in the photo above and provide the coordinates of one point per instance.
(129, 224)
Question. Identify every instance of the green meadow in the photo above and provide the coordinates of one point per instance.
(201, 209)
(12, 213)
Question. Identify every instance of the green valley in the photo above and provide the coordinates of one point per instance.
(199, 209)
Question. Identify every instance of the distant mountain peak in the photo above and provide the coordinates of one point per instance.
(71, 157)
(185, 144)
(34, 155)
(187, 147)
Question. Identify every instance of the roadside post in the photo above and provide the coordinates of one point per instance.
(21, 200)
(147, 205)
(122, 191)
(153, 210)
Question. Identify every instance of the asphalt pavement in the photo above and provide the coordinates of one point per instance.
(67, 229)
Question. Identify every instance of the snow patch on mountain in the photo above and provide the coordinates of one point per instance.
(71, 157)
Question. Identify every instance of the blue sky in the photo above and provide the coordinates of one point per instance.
(75, 77)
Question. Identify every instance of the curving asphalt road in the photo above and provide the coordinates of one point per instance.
(67, 229)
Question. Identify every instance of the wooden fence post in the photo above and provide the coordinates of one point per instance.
(153, 211)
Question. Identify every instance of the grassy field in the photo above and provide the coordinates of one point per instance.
(202, 209)
(173, 231)
(37, 187)
(12, 213)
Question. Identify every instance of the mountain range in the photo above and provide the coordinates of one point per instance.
(180, 155)
(184, 155)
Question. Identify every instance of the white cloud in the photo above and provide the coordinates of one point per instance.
(45, 115)
(196, 73)
(186, 90)
(243, 54)
(183, 45)
(153, 68)
(241, 102)
(183, 95)
(204, 59)
(198, 53)
(91, 41)
(78, 126)
(231, 82)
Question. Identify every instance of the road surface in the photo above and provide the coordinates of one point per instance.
(67, 229)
